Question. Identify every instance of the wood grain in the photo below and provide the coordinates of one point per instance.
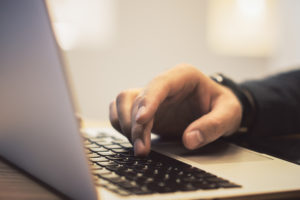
(15, 185)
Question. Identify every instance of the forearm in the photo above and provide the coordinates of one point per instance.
(277, 102)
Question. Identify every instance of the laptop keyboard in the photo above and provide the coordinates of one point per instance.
(115, 167)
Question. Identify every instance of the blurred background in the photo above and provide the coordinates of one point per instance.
(113, 45)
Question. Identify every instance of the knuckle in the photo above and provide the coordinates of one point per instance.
(132, 91)
(129, 93)
(159, 79)
(121, 96)
(140, 100)
(185, 66)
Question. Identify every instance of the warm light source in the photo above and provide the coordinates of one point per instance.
(67, 35)
(83, 23)
(241, 27)
(251, 9)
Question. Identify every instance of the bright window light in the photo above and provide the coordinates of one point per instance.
(252, 9)
(83, 23)
(241, 27)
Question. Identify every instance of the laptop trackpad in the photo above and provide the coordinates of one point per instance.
(216, 152)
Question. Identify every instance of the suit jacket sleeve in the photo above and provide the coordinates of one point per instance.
(277, 100)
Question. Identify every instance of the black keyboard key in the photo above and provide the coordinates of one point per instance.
(107, 163)
(93, 155)
(127, 172)
(101, 182)
(124, 160)
(120, 150)
(126, 145)
(91, 146)
(129, 185)
(114, 167)
(115, 157)
(160, 187)
(114, 161)
(98, 149)
(106, 153)
(112, 146)
(128, 153)
(188, 187)
(141, 190)
(102, 142)
(110, 176)
(143, 180)
(122, 192)
(139, 168)
(205, 185)
(99, 159)
(112, 187)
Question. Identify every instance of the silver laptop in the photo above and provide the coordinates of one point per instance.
(40, 134)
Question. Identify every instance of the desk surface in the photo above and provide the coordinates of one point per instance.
(14, 185)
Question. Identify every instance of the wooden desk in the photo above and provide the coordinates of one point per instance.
(15, 185)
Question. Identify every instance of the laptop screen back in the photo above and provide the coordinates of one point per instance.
(38, 129)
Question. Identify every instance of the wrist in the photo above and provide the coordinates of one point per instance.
(245, 98)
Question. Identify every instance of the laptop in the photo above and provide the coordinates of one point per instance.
(39, 133)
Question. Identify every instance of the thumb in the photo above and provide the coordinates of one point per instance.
(210, 127)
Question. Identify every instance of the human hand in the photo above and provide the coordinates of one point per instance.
(180, 102)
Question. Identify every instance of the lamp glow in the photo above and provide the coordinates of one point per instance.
(83, 23)
(241, 27)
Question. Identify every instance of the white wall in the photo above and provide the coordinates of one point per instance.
(287, 53)
(151, 36)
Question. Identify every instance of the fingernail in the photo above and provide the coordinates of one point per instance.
(138, 146)
(194, 138)
(140, 112)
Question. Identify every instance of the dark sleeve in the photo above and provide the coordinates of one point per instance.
(277, 100)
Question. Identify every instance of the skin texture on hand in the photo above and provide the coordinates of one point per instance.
(182, 102)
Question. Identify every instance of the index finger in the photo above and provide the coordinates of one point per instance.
(179, 80)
